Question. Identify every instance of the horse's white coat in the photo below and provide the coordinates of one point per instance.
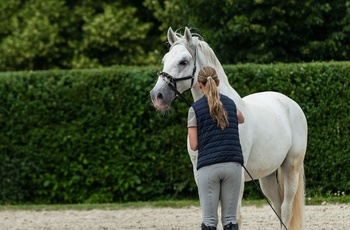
(273, 136)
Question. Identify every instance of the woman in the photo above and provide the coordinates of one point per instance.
(213, 131)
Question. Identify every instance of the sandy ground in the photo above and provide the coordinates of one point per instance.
(323, 217)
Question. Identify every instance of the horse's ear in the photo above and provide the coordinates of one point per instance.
(188, 35)
(171, 36)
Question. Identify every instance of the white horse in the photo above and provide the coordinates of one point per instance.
(273, 136)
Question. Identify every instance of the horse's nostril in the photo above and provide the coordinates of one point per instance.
(160, 96)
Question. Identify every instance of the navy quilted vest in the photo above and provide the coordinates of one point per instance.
(214, 144)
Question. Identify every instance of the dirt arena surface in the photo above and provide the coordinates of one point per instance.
(322, 217)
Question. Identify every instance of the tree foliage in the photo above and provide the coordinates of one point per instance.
(37, 34)
(265, 31)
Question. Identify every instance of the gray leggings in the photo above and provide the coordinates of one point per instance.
(219, 181)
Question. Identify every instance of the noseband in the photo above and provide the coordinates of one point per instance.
(171, 81)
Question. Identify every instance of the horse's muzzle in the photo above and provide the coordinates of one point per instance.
(161, 99)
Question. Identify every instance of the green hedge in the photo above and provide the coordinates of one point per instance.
(93, 135)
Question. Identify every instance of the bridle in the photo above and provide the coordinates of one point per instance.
(171, 81)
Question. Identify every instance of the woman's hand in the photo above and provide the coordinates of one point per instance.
(240, 117)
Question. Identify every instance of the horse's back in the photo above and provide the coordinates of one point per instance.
(276, 103)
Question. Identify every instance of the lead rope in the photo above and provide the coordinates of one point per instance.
(264, 196)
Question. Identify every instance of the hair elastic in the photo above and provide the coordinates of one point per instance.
(209, 77)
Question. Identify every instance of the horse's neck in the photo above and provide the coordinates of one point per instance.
(226, 89)
(196, 92)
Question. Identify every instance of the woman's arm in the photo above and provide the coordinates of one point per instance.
(192, 135)
(240, 117)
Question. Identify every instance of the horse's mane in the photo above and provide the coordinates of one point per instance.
(210, 57)
(208, 52)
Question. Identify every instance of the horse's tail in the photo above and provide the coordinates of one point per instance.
(297, 221)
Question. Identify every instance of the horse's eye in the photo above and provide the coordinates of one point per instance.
(183, 62)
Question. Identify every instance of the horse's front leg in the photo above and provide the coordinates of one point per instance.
(193, 157)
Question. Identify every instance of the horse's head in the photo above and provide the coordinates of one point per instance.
(179, 68)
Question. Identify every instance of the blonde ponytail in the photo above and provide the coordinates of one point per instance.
(208, 77)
